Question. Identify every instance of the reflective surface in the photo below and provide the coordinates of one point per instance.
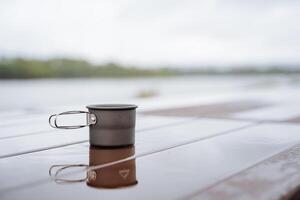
(176, 158)
(43, 137)
(182, 167)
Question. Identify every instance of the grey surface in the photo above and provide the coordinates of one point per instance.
(181, 157)
(34, 139)
(186, 169)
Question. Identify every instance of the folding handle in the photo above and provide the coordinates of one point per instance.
(90, 119)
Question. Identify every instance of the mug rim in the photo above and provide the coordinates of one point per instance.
(112, 106)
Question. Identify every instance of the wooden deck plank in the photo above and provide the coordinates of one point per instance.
(41, 127)
(275, 178)
(281, 112)
(216, 109)
(13, 146)
(55, 138)
(185, 169)
(294, 119)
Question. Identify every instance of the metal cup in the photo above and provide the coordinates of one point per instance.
(111, 125)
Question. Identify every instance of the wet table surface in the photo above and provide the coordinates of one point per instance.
(235, 149)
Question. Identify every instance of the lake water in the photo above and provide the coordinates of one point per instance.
(34, 95)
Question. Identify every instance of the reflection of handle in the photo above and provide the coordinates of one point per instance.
(58, 169)
(90, 119)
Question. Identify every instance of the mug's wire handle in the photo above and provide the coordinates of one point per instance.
(90, 119)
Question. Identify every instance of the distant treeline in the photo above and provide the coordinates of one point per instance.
(242, 70)
(69, 68)
(18, 68)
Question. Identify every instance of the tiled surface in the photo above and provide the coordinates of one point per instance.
(187, 169)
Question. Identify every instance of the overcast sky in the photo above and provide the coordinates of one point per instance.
(154, 32)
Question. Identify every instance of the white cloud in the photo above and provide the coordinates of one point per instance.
(167, 32)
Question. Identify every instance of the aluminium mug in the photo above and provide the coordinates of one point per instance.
(110, 125)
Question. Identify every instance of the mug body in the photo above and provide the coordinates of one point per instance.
(115, 125)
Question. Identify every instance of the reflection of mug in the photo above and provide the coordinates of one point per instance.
(110, 124)
(117, 175)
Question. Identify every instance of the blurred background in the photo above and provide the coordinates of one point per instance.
(58, 53)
